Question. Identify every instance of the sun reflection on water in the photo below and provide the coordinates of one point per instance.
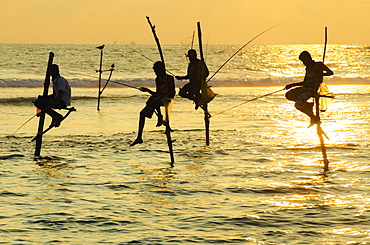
(341, 122)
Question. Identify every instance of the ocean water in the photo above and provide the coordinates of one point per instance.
(260, 181)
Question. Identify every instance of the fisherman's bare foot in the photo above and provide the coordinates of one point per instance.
(310, 105)
(160, 121)
(137, 141)
(314, 121)
(56, 121)
(196, 102)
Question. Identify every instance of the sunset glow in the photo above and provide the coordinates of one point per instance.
(224, 22)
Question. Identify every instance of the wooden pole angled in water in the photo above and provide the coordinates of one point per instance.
(319, 129)
(204, 89)
(320, 133)
(100, 73)
(42, 115)
(109, 77)
(167, 124)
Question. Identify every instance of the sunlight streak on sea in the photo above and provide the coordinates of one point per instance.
(260, 181)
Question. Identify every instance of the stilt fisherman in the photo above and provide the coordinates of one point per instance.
(309, 87)
(197, 69)
(154, 102)
(60, 99)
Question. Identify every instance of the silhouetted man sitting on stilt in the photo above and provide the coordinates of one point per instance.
(154, 103)
(309, 87)
(60, 99)
(197, 70)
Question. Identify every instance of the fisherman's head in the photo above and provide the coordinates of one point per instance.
(306, 58)
(158, 68)
(192, 54)
(54, 70)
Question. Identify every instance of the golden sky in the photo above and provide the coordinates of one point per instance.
(223, 22)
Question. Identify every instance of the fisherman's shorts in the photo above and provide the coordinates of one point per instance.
(300, 95)
(189, 91)
(49, 102)
(152, 104)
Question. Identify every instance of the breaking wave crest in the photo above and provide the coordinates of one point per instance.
(217, 82)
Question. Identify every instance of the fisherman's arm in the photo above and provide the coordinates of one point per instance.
(206, 71)
(60, 95)
(326, 71)
(143, 89)
(187, 76)
(57, 98)
(182, 77)
(171, 87)
(289, 86)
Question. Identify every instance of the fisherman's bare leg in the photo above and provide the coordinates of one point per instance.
(57, 118)
(307, 108)
(160, 117)
(139, 138)
(46, 105)
(300, 96)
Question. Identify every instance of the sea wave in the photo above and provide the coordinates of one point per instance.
(217, 82)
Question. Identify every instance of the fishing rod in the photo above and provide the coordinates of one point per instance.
(146, 57)
(37, 114)
(258, 97)
(191, 47)
(124, 84)
(240, 50)
(192, 40)
(24, 124)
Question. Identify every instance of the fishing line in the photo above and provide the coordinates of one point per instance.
(149, 59)
(23, 124)
(258, 97)
(240, 50)
(146, 57)
(205, 57)
(31, 119)
(50, 106)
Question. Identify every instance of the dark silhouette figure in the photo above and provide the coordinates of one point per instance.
(154, 102)
(197, 70)
(309, 87)
(59, 99)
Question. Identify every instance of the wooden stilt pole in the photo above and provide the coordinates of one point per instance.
(205, 106)
(319, 129)
(326, 41)
(100, 73)
(167, 123)
(42, 115)
(320, 134)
